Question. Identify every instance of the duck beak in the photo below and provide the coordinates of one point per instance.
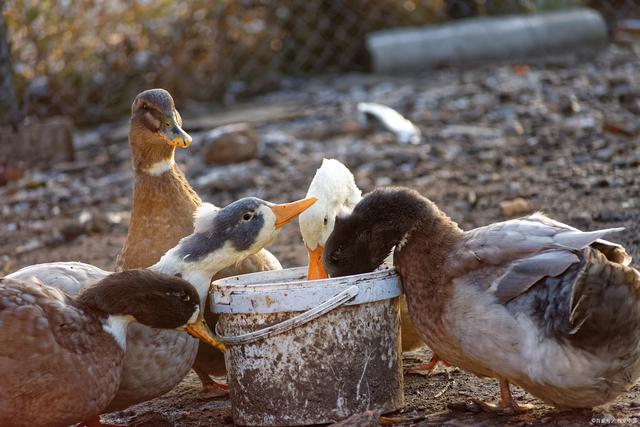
(316, 269)
(200, 330)
(175, 136)
(288, 211)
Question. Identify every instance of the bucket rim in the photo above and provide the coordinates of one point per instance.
(250, 280)
(288, 290)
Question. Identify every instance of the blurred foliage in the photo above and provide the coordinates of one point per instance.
(88, 58)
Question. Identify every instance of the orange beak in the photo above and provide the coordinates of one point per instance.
(175, 136)
(288, 211)
(316, 269)
(200, 330)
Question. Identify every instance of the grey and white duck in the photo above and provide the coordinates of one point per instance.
(157, 360)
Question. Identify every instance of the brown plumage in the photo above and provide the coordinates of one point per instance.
(164, 203)
(60, 359)
(529, 301)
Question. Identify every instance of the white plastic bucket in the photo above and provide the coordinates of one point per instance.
(309, 352)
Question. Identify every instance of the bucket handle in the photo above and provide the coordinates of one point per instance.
(294, 322)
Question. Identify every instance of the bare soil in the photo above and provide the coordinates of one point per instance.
(561, 134)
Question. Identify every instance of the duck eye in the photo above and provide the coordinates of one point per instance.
(248, 216)
(326, 220)
(335, 255)
(182, 295)
(145, 107)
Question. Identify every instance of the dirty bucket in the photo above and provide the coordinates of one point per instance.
(308, 352)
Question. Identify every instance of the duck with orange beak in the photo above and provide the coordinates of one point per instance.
(335, 188)
(156, 360)
(163, 206)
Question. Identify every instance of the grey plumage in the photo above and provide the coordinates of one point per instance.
(530, 301)
(227, 226)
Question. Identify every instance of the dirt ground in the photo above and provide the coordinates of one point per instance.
(562, 134)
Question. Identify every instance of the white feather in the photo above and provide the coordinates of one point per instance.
(203, 217)
(160, 167)
(337, 193)
(116, 325)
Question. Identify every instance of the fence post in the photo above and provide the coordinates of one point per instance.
(8, 103)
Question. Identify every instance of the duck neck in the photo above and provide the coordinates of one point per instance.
(421, 259)
(427, 223)
(161, 212)
(397, 217)
(150, 156)
(116, 325)
(198, 272)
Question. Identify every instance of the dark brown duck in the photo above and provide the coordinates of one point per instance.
(61, 358)
(529, 301)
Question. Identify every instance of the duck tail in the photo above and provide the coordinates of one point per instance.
(605, 303)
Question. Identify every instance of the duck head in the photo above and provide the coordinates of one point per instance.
(153, 299)
(361, 240)
(155, 131)
(224, 237)
(335, 188)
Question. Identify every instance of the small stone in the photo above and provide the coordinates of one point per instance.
(230, 144)
(581, 123)
(39, 141)
(71, 232)
(152, 419)
(517, 206)
(622, 125)
(365, 419)
(10, 172)
(458, 406)
(472, 198)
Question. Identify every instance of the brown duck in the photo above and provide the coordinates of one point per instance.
(529, 301)
(61, 357)
(164, 204)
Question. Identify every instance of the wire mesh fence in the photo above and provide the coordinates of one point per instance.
(87, 59)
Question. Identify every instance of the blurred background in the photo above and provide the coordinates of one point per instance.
(276, 86)
(516, 106)
(87, 59)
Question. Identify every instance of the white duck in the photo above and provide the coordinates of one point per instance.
(335, 188)
(155, 360)
(337, 193)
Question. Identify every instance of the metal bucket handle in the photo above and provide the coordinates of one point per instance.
(294, 322)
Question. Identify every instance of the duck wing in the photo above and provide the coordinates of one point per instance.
(574, 284)
(70, 277)
(57, 364)
(509, 257)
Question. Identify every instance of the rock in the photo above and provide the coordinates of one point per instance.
(230, 144)
(579, 124)
(458, 406)
(10, 172)
(151, 419)
(472, 132)
(472, 198)
(515, 207)
(365, 419)
(38, 142)
(622, 125)
(229, 177)
(30, 246)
